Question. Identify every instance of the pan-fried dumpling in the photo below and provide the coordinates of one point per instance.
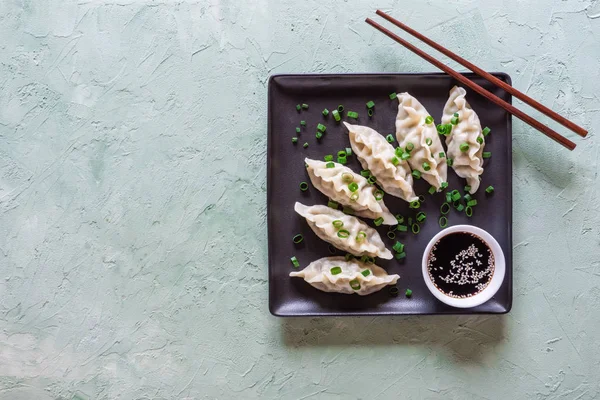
(411, 128)
(335, 184)
(376, 154)
(335, 274)
(345, 232)
(467, 164)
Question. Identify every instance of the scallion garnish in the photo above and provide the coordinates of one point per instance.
(297, 129)
(321, 128)
(354, 196)
(355, 284)
(450, 162)
(378, 195)
(455, 195)
(460, 208)
(365, 172)
(335, 270)
(469, 211)
(471, 203)
(305, 106)
(421, 216)
(486, 131)
(401, 228)
(328, 157)
(393, 291)
(454, 121)
(443, 221)
(378, 221)
(405, 156)
(395, 160)
(480, 139)
(371, 179)
(336, 115)
(341, 153)
(347, 177)
(409, 147)
(348, 151)
(399, 218)
(294, 140)
(305, 145)
(393, 96)
(399, 151)
(340, 108)
(298, 238)
(330, 165)
(448, 197)
(389, 138)
(489, 189)
(353, 186)
(416, 173)
(444, 185)
(445, 208)
(428, 141)
(343, 233)
(426, 166)
(303, 186)
(366, 272)
(349, 256)
(429, 119)
(352, 114)
(467, 188)
(442, 154)
(408, 293)
(338, 223)
(332, 204)
(303, 123)
(432, 190)
(294, 261)
(398, 247)
(391, 235)
(415, 204)
(298, 107)
(370, 104)
(342, 160)
(415, 228)
(464, 147)
(360, 236)
(325, 112)
(486, 154)
(400, 256)
(467, 197)
(319, 135)
(347, 210)
(370, 112)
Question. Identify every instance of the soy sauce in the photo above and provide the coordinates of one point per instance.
(460, 264)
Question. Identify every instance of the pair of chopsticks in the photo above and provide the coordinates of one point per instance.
(465, 81)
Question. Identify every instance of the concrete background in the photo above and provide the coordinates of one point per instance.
(132, 205)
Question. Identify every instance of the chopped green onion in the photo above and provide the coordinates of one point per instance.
(405, 156)
(393, 95)
(391, 235)
(486, 131)
(460, 208)
(331, 249)
(467, 188)
(443, 221)
(489, 189)
(360, 236)
(480, 139)
(325, 112)
(395, 160)
(371, 179)
(390, 138)
(421, 216)
(415, 204)
(348, 210)
(319, 135)
(432, 190)
(444, 129)
(352, 114)
(354, 196)
(365, 172)
(467, 197)
(367, 259)
(429, 119)
(333, 204)
(401, 228)
(330, 165)
(328, 157)
(366, 272)
(398, 247)
(353, 186)
(336, 115)
(303, 123)
(454, 121)
(487, 154)
(342, 160)
(469, 211)
(426, 166)
(371, 104)
(298, 107)
(450, 162)
(303, 186)
(294, 140)
(422, 198)
(448, 197)
(298, 238)
(445, 208)
(394, 291)
(335, 270)
(416, 173)
(343, 233)
(347, 177)
(338, 223)
(408, 293)
(341, 153)
(444, 185)
(400, 256)
(471, 203)
(297, 130)
(378, 195)
(455, 195)
(294, 261)
(399, 151)
(340, 108)
(370, 112)
(409, 147)
(399, 218)
(464, 147)
(442, 154)
(348, 151)
(355, 284)
(415, 228)
(305, 145)
(455, 115)
(321, 128)
(348, 256)
(305, 106)
(428, 141)
(378, 221)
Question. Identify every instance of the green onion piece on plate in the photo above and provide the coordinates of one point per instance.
(305, 106)
(486, 154)
(389, 138)
(336, 115)
(353, 186)
(469, 211)
(378, 221)
(333, 204)
(443, 221)
(305, 145)
(298, 238)
(421, 216)
(415, 204)
(340, 108)
(370, 112)
(442, 155)
(486, 131)
(429, 119)
(489, 189)
(342, 160)
(408, 293)
(401, 228)
(409, 147)
(303, 186)
(391, 235)
(378, 195)
(405, 156)
(294, 140)
(471, 203)
(416, 173)
(328, 157)
(395, 160)
(330, 165)
(348, 151)
(360, 236)
(426, 166)
(444, 185)
(398, 247)
(355, 284)
(325, 112)
(319, 135)
(347, 177)
(450, 162)
(335, 270)
(445, 208)
(464, 147)
(298, 107)
(371, 179)
(297, 129)
(467, 188)
(343, 233)
(321, 128)
(365, 172)
(393, 96)
(347, 210)
(370, 104)
(294, 261)
(303, 123)
(352, 114)
(480, 139)
(338, 223)
(354, 196)
(400, 256)
(349, 256)
(432, 190)
(366, 272)
(428, 141)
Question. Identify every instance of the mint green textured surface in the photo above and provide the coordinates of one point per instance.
(133, 242)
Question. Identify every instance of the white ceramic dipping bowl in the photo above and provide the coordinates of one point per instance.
(497, 277)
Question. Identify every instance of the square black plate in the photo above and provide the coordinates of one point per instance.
(285, 166)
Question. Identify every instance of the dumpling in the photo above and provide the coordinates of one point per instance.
(467, 164)
(429, 159)
(376, 154)
(345, 232)
(335, 184)
(335, 274)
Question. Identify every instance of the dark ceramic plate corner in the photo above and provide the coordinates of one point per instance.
(285, 170)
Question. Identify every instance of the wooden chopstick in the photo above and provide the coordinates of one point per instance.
(465, 81)
(533, 103)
